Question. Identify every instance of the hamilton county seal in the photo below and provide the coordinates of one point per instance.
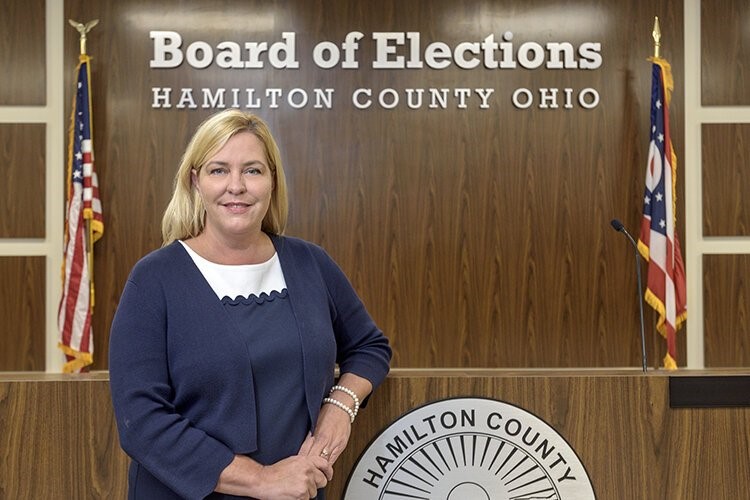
(469, 449)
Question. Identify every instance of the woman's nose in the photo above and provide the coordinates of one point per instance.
(236, 184)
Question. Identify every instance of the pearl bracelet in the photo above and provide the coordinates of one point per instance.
(341, 405)
(350, 392)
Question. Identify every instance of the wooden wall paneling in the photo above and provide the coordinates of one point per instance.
(22, 153)
(725, 50)
(22, 323)
(726, 303)
(726, 180)
(461, 220)
(22, 53)
(475, 237)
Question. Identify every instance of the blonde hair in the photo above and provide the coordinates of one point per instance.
(185, 215)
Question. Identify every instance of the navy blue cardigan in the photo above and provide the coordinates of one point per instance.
(181, 381)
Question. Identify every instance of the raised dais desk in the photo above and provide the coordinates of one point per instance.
(58, 439)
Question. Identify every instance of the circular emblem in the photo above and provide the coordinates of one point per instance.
(469, 449)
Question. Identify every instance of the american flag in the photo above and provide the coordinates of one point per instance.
(658, 242)
(83, 226)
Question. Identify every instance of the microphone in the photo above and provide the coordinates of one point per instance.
(620, 228)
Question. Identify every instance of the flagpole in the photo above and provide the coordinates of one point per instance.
(83, 30)
(656, 35)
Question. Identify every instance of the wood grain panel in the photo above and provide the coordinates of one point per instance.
(476, 237)
(22, 324)
(725, 52)
(59, 441)
(726, 180)
(22, 200)
(620, 425)
(22, 53)
(726, 303)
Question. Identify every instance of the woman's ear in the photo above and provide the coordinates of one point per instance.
(194, 178)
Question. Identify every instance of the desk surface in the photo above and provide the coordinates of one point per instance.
(430, 373)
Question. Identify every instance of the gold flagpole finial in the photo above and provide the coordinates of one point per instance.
(657, 36)
(82, 30)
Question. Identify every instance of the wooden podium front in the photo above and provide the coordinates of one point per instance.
(59, 441)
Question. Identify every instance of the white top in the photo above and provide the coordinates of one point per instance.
(242, 279)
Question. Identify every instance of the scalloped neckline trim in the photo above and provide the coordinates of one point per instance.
(255, 299)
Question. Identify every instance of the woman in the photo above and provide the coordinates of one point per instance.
(225, 340)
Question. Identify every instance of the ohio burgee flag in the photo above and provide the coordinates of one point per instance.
(658, 242)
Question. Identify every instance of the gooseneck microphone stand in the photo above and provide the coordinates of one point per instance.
(620, 228)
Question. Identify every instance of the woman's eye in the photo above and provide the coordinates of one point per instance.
(216, 171)
(253, 171)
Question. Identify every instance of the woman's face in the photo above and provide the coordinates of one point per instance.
(236, 185)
